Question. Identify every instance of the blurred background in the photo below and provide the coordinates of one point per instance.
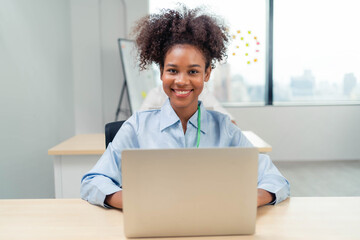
(61, 76)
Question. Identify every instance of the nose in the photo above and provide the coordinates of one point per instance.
(181, 79)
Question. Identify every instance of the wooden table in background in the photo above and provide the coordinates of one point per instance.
(296, 218)
(77, 155)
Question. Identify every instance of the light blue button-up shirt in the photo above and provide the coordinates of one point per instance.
(162, 129)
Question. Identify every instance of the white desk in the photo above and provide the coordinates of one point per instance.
(77, 155)
(296, 218)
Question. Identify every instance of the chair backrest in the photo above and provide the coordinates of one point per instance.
(110, 131)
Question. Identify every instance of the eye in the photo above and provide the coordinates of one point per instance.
(171, 70)
(192, 72)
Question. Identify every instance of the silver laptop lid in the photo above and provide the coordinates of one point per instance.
(189, 192)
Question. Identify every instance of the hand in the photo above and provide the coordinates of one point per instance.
(264, 197)
(115, 200)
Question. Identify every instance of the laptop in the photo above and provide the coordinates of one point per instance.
(189, 191)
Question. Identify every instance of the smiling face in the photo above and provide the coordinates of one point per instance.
(183, 77)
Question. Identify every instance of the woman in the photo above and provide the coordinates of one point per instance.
(185, 44)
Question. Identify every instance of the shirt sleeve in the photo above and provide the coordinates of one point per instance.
(269, 177)
(105, 177)
(271, 180)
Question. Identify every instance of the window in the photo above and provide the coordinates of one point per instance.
(316, 51)
(315, 46)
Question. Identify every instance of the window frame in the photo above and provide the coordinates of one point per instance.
(269, 83)
(269, 52)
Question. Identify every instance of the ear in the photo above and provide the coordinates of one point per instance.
(207, 74)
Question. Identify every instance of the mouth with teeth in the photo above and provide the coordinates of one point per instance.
(182, 93)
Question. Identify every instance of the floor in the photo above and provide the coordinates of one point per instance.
(325, 178)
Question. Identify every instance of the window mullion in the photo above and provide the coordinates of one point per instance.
(269, 52)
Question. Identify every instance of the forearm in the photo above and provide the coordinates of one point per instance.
(115, 200)
(264, 197)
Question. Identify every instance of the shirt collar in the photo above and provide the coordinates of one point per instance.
(169, 117)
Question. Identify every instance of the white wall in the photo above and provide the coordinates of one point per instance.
(36, 93)
(60, 75)
(98, 78)
(305, 132)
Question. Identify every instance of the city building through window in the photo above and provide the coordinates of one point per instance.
(316, 55)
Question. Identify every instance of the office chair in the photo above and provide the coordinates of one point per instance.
(110, 131)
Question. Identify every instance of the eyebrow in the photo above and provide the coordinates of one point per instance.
(174, 65)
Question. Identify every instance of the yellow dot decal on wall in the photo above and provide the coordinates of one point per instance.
(251, 42)
(143, 94)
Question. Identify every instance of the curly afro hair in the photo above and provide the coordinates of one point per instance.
(155, 34)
